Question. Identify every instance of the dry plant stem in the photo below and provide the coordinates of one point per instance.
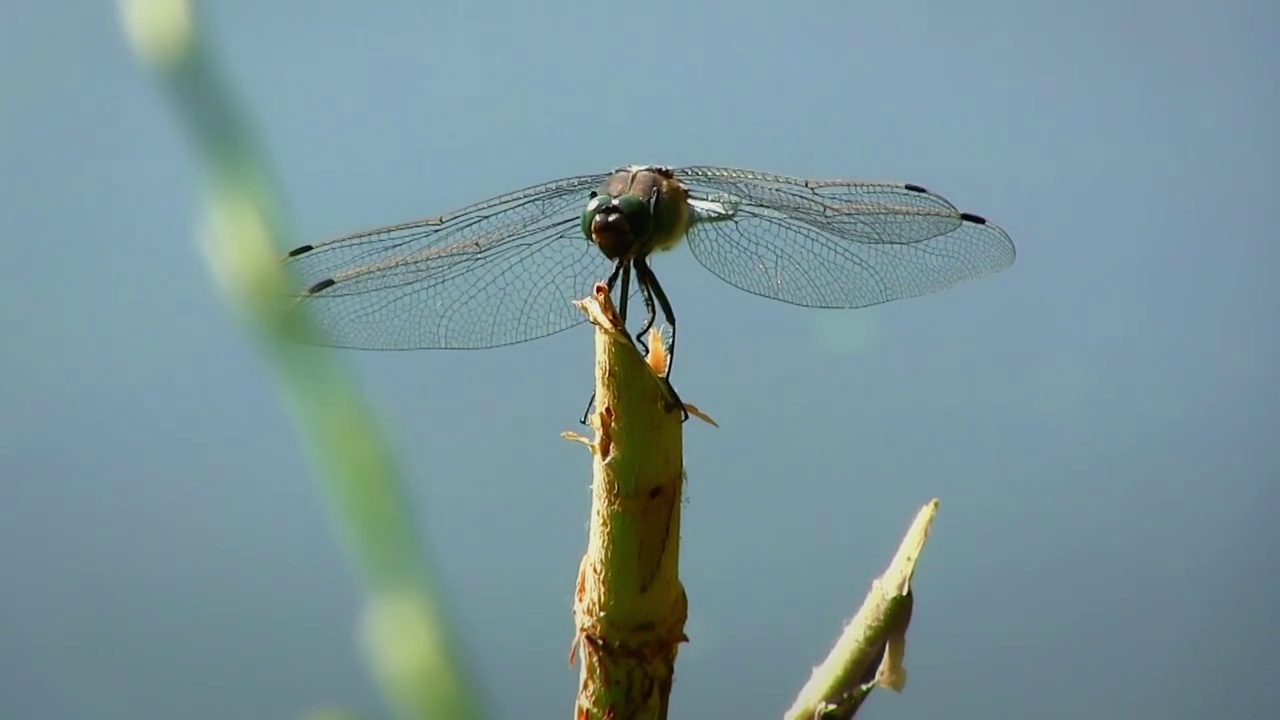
(869, 652)
(629, 607)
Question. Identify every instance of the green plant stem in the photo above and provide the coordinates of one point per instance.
(404, 630)
(870, 651)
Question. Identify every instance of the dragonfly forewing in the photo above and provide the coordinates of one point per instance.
(836, 243)
(498, 272)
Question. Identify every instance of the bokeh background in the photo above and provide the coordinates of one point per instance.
(1099, 421)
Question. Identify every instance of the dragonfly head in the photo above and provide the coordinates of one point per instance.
(617, 225)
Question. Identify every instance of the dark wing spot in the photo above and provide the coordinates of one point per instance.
(301, 250)
(915, 188)
(975, 219)
(324, 284)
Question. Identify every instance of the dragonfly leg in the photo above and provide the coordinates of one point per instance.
(641, 266)
(613, 276)
(653, 289)
(650, 313)
(625, 294)
(646, 288)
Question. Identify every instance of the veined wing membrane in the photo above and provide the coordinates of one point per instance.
(837, 243)
(499, 272)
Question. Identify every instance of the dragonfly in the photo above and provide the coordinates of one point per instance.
(506, 270)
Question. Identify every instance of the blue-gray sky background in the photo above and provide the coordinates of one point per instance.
(1099, 421)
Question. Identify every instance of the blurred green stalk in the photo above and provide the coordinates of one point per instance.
(405, 635)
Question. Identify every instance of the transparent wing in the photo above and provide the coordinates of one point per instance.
(501, 271)
(835, 243)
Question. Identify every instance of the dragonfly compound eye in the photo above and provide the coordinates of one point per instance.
(619, 226)
(638, 214)
(589, 215)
